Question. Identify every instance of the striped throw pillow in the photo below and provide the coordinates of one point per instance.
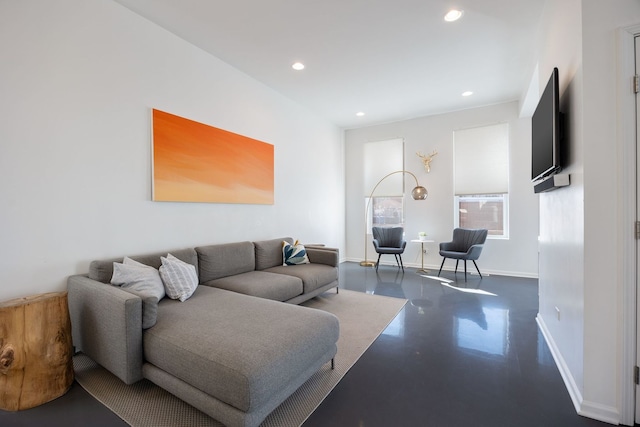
(180, 278)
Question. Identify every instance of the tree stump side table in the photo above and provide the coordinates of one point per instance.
(36, 363)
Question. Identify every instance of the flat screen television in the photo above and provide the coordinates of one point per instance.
(546, 132)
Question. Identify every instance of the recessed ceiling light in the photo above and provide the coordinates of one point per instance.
(467, 93)
(298, 66)
(359, 114)
(453, 15)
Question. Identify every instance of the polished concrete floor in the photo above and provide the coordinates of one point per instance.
(458, 354)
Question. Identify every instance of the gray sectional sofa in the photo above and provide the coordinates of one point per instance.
(234, 349)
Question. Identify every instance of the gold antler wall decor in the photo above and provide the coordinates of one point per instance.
(426, 160)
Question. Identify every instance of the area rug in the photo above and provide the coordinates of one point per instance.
(363, 318)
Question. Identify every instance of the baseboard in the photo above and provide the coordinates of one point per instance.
(435, 268)
(567, 377)
(607, 414)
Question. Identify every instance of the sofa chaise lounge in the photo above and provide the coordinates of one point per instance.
(234, 349)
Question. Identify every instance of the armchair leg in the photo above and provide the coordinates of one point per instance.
(401, 264)
(441, 265)
(456, 271)
(465, 270)
(378, 263)
(474, 263)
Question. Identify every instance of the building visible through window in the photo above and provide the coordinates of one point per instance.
(387, 211)
(487, 211)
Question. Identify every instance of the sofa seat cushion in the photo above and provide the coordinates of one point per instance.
(313, 276)
(237, 348)
(261, 284)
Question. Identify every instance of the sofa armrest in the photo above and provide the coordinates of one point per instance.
(106, 325)
(323, 255)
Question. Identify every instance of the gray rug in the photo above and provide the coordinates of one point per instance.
(362, 317)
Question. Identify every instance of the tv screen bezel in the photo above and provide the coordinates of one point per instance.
(549, 103)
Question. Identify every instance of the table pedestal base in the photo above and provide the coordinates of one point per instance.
(422, 270)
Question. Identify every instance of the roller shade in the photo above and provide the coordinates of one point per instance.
(380, 159)
(481, 160)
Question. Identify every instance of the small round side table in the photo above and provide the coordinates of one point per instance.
(422, 242)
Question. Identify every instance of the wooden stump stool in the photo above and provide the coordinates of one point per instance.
(35, 350)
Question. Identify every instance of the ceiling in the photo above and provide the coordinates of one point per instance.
(391, 59)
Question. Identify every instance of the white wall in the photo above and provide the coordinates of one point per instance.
(515, 256)
(561, 278)
(78, 80)
(580, 242)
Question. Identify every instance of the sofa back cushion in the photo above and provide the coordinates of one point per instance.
(216, 261)
(102, 270)
(269, 252)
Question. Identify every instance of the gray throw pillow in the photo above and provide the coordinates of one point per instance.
(139, 277)
(143, 281)
(149, 308)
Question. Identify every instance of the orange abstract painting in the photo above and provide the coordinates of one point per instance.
(194, 162)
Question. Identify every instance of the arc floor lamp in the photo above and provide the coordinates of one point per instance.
(418, 193)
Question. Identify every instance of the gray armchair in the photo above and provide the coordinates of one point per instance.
(389, 240)
(466, 244)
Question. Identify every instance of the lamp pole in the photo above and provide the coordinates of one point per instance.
(418, 193)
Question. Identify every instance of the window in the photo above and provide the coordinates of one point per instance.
(386, 206)
(488, 211)
(387, 211)
(481, 171)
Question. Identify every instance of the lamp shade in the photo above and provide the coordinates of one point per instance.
(419, 193)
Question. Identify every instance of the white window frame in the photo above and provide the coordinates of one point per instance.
(487, 197)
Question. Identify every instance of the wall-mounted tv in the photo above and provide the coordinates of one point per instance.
(546, 132)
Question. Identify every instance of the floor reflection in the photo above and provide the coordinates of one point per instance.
(396, 327)
(389, 283)
(487, 333)
(464, 307)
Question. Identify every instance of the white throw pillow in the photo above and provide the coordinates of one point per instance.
(139, 277)
(179, 277)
